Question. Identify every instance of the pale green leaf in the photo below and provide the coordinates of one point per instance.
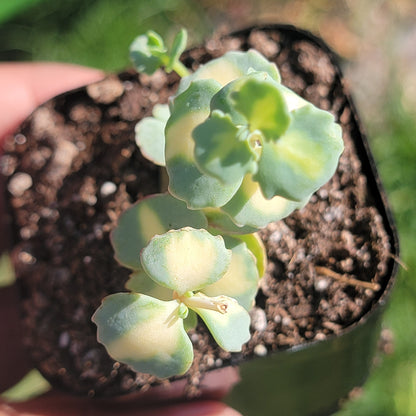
(249, 207)
(263, 105)
(145, 333)
(148, 52)
(220, 222)
(140, 282)
(304, 158)
(191, 321)
(256, 246)
(178, 46)
(186, 259)
(230, 329)
(152, 215)
(222, 151)
(230, 66)
(241, 279)
(186, 181)
(150, 134)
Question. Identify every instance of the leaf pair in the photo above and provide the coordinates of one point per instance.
(132, 325)
(149, 53)
(179, 273)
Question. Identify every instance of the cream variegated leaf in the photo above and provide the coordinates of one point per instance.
(150, 134)
(131, 327)
(186, 259)
(230, 329)
(152, 215)
(241, 279)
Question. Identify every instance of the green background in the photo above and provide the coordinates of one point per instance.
(375, 40)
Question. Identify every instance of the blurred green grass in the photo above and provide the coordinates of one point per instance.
(98, 32)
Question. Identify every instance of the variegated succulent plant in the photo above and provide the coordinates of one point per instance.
(240, 151)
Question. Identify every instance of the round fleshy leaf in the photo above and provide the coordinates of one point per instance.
(147, 52)
(131, 327)
(231, 66)
(256, 246)
(230, 329)
(249, 207)
(150, 134)
(221, 222)
(241, 280)
(153, 215)
(304, 158)
(186, 181)
(222, 151)
(140, 282)
(185, 260)
(263, 105)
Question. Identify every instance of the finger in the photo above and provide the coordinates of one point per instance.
(24, 86)
(63, 405)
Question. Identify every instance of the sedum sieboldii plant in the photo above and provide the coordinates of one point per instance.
(240, 150)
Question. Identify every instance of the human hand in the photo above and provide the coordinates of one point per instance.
(24, 86)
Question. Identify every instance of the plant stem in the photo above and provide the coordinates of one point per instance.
(181, 69)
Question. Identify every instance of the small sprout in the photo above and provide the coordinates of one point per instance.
(131, 325)
(149, 53)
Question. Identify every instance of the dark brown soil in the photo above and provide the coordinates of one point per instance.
(74, 167)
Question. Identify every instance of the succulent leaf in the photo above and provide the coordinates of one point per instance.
(255, 245)
(230, 329)
(152, 215)
(231, 66)
(241, 279)
(191, 321)
(140, 282)
(150, 134)
(220, 222)
(131, 327)
(185, 260)
(249, 207)
(221, 151)
(147, 52)
(304, 158)
(263, 105)
(178, 46)
(186, 181)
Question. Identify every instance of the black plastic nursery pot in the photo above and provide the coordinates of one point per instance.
(72, 169)
(311, 379)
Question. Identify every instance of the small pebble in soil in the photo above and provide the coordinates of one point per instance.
(20, 139)
(320, 336)
(258, 319)
(260, 350)
(26, 258)
(321, 285)
(108, 188)
(19, 183)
